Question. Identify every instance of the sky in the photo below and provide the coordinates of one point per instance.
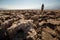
(29, 4)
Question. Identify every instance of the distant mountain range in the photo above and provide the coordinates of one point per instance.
(2, 9)
(52, 8)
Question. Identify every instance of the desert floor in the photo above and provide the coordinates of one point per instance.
(29, 25)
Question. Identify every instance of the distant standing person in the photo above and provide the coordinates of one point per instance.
(42, 8)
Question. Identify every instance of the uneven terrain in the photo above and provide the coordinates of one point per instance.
(29, 25)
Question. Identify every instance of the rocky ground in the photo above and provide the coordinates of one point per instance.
(29, 25)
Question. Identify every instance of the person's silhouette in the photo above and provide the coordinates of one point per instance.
(42, 8)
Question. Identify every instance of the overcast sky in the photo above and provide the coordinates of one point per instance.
(29, 4)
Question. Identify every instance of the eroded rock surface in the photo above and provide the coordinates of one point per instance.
(29, 25)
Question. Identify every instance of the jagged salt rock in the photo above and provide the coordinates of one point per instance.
(26, 25)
